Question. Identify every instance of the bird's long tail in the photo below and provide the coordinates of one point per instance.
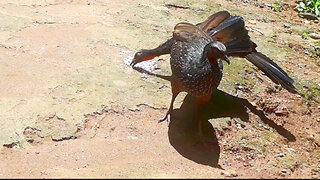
(272, 70)
(232, 32)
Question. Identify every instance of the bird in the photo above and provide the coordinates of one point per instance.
(196, 55)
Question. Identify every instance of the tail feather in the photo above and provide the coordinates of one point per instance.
(272, 70)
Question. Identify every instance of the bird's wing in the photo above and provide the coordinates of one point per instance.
(187, 32)
(230, 29)
(214, 20)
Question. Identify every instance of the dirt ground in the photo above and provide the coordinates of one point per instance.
(70, 105)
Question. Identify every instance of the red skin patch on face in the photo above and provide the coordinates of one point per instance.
(212, 60)
(149, 58)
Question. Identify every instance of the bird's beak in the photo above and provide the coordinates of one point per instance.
(134, 62)
(142, 55)
(226, 58)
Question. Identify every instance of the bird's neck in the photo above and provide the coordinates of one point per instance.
(212, 60)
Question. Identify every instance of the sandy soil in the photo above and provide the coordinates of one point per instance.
(70, 106)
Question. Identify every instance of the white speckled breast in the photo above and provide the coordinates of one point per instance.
(197, 76)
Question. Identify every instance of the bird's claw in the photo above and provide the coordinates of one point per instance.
(167, 118)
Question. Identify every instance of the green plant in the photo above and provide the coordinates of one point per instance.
(279, 5)
(312, 6)
(276, 7)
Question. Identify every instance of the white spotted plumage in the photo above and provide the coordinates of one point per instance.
(197, 76)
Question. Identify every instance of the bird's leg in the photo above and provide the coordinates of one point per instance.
(201, 101)
(167, 116)
(204, 137)
(175, 90)
(148, 54)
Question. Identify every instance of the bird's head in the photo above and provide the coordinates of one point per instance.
(216, 50)
(141, 55)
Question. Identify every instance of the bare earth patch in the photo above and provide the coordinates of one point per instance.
(70, 106)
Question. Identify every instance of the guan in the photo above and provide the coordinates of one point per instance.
(197, 52)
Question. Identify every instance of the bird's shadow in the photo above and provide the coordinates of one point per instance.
(184, 132)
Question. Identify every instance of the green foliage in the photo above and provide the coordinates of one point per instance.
(276, 7)
(310, 91)
(312, 6)
(305, 35)
(279, 5)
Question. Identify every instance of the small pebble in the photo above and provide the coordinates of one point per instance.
(281, 113)
(132, 137)
(284, 171)
(291, 149)
(280, 155)
(308, 16)
(314, 36)
(238, 126)
(230, 173)
(253, 22)
(286, 26)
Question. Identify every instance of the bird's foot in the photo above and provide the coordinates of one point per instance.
(167, 118)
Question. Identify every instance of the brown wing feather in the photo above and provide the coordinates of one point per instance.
(214, 20)
(231, 29)
(187, 32)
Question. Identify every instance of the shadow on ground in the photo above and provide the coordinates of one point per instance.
(183, 129)
(184, 132)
